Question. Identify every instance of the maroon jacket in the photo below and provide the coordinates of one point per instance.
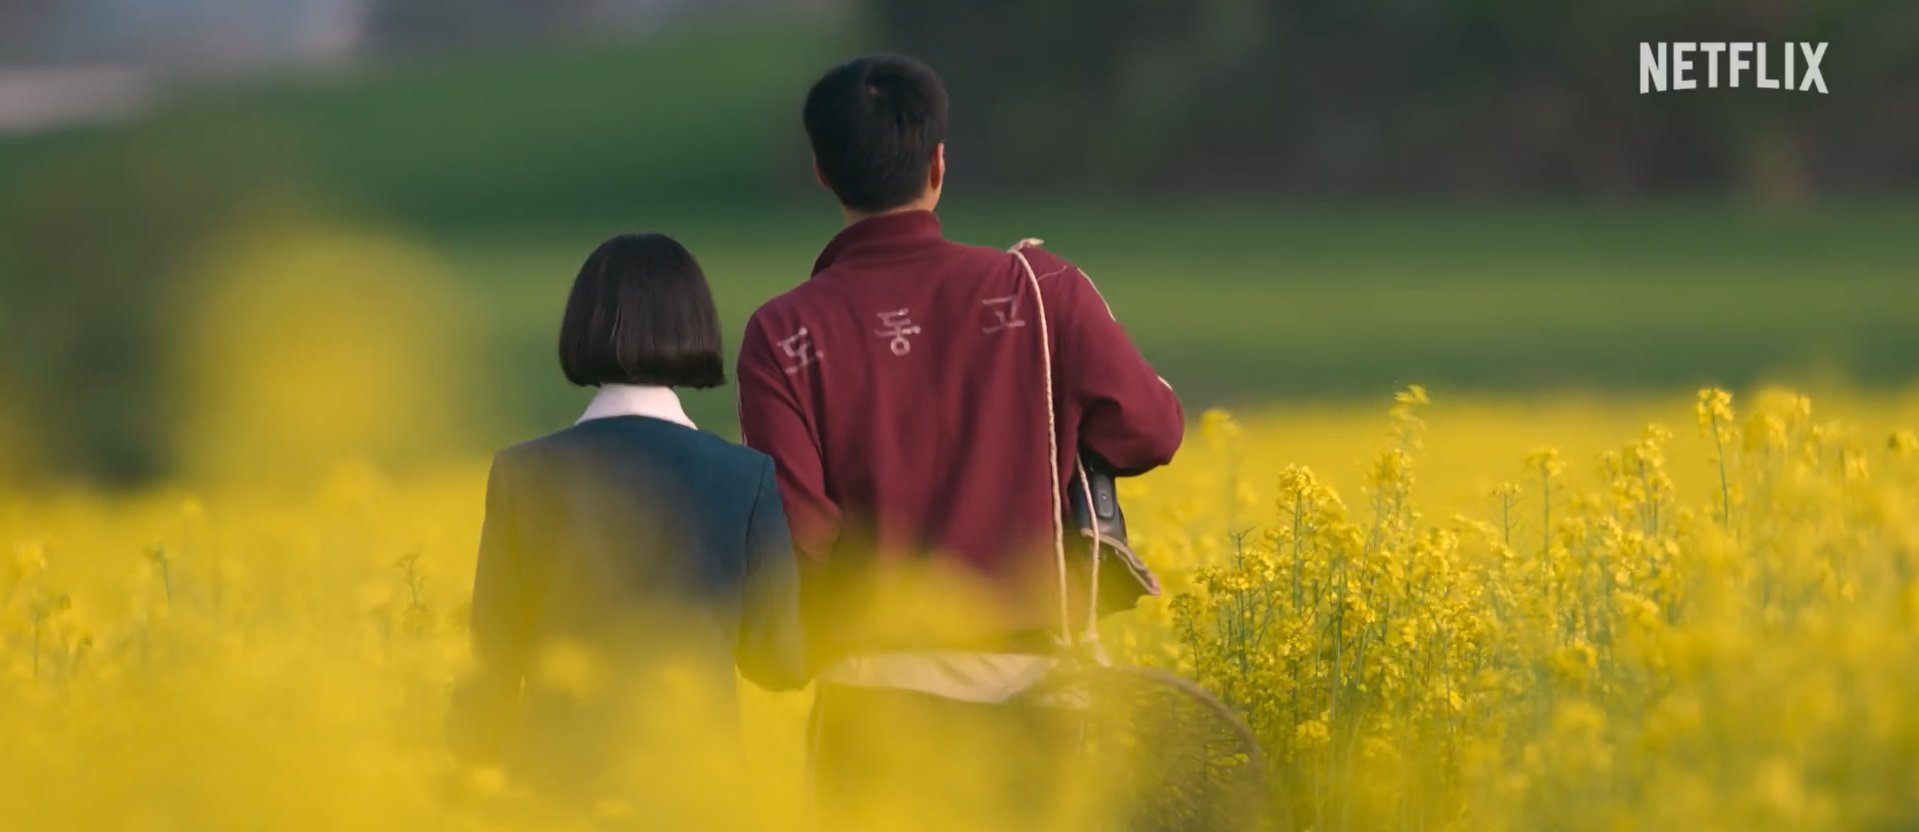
(900, 392)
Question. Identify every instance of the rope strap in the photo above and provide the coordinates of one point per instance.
(1091, 633)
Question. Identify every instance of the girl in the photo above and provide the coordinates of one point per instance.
(630, 552)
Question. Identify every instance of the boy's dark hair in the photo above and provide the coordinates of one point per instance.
(641, 313)
(875, 122)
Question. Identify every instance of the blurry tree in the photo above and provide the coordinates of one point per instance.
(96, 238)
(1410, 96)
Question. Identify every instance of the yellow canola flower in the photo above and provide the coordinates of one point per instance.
(1636, 632)
(29, 559)
(1714, 408)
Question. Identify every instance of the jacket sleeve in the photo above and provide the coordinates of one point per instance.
(773, 422)
(483, 704)
(771, 651)
(1130, 417)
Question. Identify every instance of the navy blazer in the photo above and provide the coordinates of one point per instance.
(637, 542)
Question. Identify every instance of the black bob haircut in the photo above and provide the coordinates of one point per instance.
(875, 122)
(641, 313)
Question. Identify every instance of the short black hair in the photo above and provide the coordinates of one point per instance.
(875, 123)
(641, 313)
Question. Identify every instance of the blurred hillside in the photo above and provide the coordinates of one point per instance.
(1492, 97)
(488, 174)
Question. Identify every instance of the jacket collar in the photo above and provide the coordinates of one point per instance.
(636, 400)
(881, 235)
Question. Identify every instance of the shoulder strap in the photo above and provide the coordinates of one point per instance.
(1052, 438)
(1091, 633)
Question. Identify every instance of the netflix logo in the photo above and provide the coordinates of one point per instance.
(1685, 65)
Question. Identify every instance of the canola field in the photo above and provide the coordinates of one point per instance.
(1494, 607)
(1669, 612)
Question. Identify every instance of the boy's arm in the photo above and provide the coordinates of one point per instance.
(772, 422)
(1130, 417)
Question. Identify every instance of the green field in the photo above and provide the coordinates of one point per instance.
(1251, 303)
(514, 166)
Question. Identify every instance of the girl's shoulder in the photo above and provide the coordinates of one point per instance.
(640, 439)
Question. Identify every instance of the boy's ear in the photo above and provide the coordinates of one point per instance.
(820, 175)
(936, 172)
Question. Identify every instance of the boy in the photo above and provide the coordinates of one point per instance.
(901, 393)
